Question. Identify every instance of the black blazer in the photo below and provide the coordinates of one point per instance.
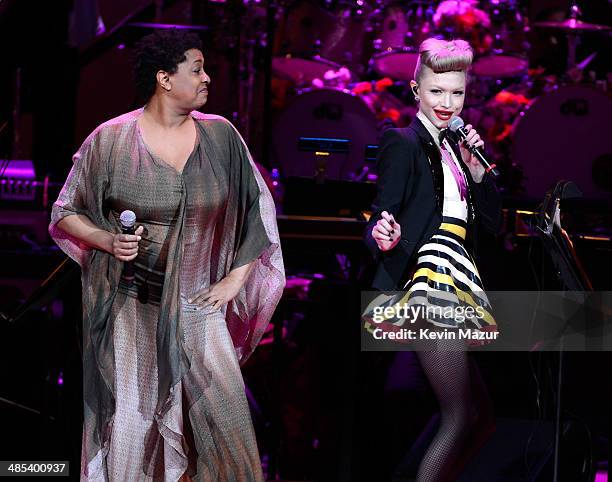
(411, 188)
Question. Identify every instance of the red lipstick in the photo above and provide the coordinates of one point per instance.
(443, 114)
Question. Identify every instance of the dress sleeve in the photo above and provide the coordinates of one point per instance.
(254, 209)
(257, 241)
(82, 193)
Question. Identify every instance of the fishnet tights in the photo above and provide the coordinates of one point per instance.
(449, 375)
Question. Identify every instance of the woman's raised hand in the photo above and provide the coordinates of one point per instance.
(386, 232)
(125, 246)
(472, 140)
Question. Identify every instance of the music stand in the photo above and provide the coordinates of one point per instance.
(569, 271)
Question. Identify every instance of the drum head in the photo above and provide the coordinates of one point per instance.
(397, 64)
(562, 136)
(300, 70)
(327, 113)
(500, 65)
(394, 28)
(308, 31)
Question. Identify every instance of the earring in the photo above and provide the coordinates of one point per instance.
(417, 98)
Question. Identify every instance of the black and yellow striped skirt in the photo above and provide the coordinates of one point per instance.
(445, 290)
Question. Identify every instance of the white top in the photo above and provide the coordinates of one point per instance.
(452, 205)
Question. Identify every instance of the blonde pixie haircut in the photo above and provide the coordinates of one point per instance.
(443, 56)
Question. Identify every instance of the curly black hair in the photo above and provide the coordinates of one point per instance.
(161, 50)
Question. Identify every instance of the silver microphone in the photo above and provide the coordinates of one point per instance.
(128, 226)
(456, 125)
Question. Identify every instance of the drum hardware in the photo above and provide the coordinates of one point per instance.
(322, 148)
(371, 152)
(311, 40)
(324, 114)
(576, 75)
(24, 219)
(18, 183)
(253, 23)
(573, 28)
(506, 56)
(509, 24)
(572, 25)
(399, 31)
(500, 66)
(17, 180)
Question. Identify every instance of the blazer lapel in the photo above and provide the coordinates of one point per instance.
(433, 156)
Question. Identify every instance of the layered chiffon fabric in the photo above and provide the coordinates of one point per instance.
(160, 393)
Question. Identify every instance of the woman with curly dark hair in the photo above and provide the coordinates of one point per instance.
(164, 396)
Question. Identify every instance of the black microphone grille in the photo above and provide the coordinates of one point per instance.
(455, 124)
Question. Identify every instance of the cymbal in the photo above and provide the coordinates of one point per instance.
(572, 25)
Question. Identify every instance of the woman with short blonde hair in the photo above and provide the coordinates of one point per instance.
(431, 194)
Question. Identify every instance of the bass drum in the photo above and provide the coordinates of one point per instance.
(330, 114)
(562, 136)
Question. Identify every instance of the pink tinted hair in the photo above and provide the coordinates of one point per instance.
(443, 56)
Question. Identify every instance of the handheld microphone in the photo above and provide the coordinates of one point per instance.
(456, 125)
(128, 224)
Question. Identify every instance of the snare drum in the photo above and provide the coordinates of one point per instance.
(325, 113)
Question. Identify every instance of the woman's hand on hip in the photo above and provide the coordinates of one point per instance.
(217, 294)
(125, 246)
(473, 164)
(386, 232)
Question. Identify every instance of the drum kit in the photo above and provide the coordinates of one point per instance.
(341, 70)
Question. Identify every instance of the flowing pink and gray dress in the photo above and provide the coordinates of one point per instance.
(163, 391)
